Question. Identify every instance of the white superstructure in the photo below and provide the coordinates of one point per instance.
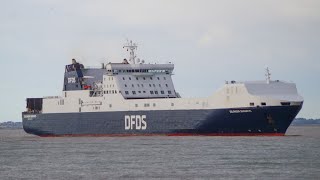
(137, 86)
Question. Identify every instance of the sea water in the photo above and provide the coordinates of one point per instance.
(294, 156)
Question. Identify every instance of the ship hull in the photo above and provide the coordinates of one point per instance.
(253, 121)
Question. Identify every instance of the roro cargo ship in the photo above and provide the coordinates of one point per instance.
(135, 98)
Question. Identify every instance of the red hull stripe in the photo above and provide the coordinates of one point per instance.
(171, 134)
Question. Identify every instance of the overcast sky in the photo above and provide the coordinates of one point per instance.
(208, 41)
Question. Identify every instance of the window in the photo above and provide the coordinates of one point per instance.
(132, 85)
(151, 92)
(144, 91)
(112, 91)
(251, 104)
(127, 92)
(158, 78)
(156, 92)
(133, 92)
(151, 78)
(144, 78)
(136, 105)
(285, 103)
(137, 78)
(166, 85)
(123, 78)
(139, 92)
(110, 105)
(115, 91)
(129, 78)
(138, 85)
(263, 104)
(141, 85)
(169, 92)
(154, 104)
(154, 85)
(159, 85)
(162, 92)
(172, 104)
(125, 85)
(150, 85)
(164, 78)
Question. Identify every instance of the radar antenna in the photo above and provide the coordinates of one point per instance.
(132, 47)
(268, 74)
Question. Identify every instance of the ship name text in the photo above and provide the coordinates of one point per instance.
(240, 111)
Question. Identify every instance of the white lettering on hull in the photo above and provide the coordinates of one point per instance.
(30, 117)
(240, 111)
(137, 122)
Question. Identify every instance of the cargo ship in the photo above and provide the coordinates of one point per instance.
(134, 98)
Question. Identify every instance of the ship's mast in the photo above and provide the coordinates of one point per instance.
(268, 75)
(132, 47)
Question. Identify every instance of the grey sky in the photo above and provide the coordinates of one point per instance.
(209, 42)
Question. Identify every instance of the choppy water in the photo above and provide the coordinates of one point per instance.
(295, 156)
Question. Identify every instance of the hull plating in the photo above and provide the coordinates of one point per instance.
(262, 121)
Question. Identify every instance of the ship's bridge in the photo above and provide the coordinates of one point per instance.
(136, 81)
(139, 69)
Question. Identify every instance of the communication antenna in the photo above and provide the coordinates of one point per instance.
(132, 47)
(268, 74)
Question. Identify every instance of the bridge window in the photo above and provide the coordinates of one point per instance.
(251, 104)
(263, 104)
(169, 92)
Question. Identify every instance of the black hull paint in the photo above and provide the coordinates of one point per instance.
(266, 120)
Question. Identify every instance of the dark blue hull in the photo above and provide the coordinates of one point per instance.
(239, 121)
